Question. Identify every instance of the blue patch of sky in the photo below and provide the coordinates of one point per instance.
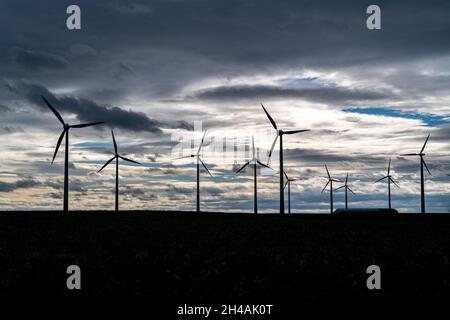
(427, 118)
(298, 81)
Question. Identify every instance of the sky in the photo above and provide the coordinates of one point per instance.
(161, 71)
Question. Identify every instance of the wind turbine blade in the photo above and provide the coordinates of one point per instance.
(394, 182)
(201, 143)
(389, 166)
(82, 125)
(53, 110)
(328, 173)
(351, 190)
(58, 144)
(273, 146)
(410, 154)
(426, 167)
(242, 168)
(129, 160)
(109, 161)
(114, 140)
(191, 156)
(285, 185)
(285, 174)
(204, 166)
(346, 179)
(263, 165)
(340, 188)
(336, 180)
(325, 186)
(381, 179)
(270, 118)
(423, 148)
(295, 131)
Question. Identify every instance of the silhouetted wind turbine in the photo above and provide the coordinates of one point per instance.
(255, 161)
(199, 160)
(422, 179)
(347, 188)
(389, 180)
(280, 134)
(330, 182)
(288, 184)
(116, 156)
(66, 128)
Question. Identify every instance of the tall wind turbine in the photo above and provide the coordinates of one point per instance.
(422, 179)
(389, 180)
(66, 128)
(199, 160)
(288, 184)
(116, 157)
(330, 182)
(280, 134)
(255, 161)
(347, 188)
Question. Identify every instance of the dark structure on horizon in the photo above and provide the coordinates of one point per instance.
(280, 134)
(66, 128)
(116, 157)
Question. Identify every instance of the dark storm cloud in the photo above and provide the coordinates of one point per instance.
(19, 184)
(87, 110)
(34, 59)
(317, 156)
(190, 40)
(259, 92)
(4, 109)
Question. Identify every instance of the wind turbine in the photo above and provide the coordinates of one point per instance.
(280, 134)
(288, 184)
(422, 179)
(66, 128)
(347, 188)
(255, 162)
(199, 160)
(389, 180)
(116, 157)
(330, 182)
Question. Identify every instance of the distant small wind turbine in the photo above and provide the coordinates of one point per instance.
(199, 160)
(330, 182)
(389, 180)
(422, 179)
(288, 184)
(280, 134)
(116, 156)
(255, 161)
(347, 188)
(66, 128)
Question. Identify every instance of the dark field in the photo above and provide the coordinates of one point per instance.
(222, 258)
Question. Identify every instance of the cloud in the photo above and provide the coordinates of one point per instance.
(4, 109)
(19, 184)
(132, 8)
(262, 92)
(87, 110)
(34, 59)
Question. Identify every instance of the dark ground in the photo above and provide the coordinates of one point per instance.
(182, 258)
